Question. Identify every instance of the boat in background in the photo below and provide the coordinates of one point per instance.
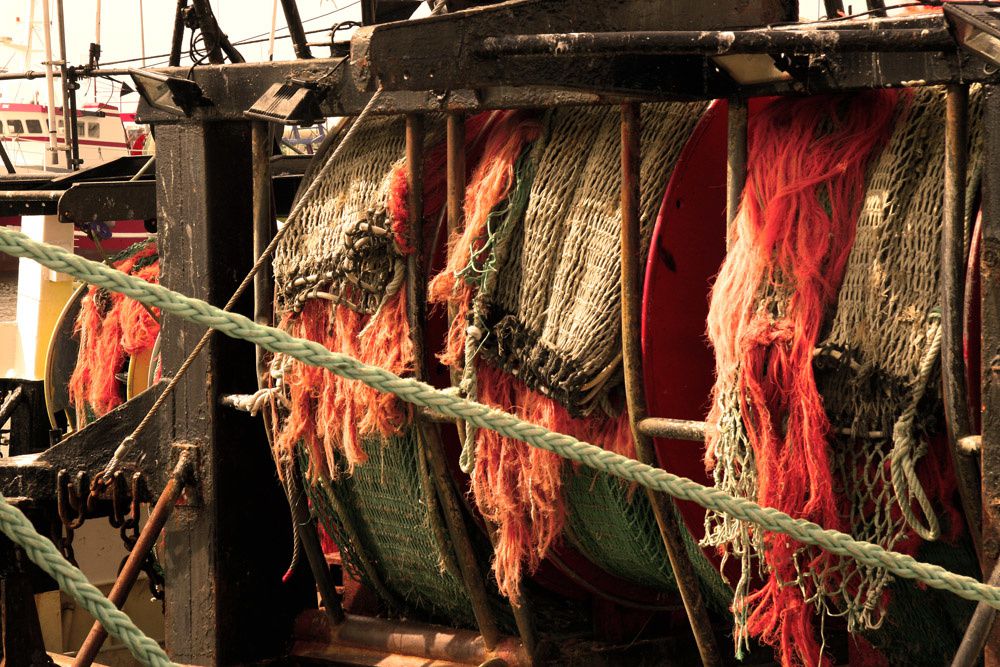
(101, 131)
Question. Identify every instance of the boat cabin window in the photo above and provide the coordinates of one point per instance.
(34, 126)
(94, 130)
(79, 128)
(15, 127)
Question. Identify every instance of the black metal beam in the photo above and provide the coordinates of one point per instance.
(110, 200)
(717, 43)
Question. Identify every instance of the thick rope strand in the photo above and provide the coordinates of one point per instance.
(45, 555)
(421, 394)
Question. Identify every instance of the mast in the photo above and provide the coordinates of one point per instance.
(68, 95)
(53, 152)
(31, 33)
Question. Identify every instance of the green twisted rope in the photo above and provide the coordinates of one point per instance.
(421, 394)
(45, 555)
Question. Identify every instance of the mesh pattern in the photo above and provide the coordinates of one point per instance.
(394, 531)
(555, 313)
(321, 255)
(879, 334)
(613, 524)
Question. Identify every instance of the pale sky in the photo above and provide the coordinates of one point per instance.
(121, 36)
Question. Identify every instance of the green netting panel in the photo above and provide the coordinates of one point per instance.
(394, 533)
(614, 526)
(924, 626)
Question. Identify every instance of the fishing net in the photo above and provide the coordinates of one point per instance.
(554, 314)
(534, 277)
(869, 355)
(112, 328)
(341, 282)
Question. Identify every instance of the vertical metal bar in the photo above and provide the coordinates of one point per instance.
(978, 630)
(989, 265)
(429, 437)
(216, 566)
(834, 8)
(294, 22)
(956, 403)
(736, 160)
(70, 138)
(178, 36)
(455, 203)
(631, 304)
(263, 307)
(158, 517)
(878, 6)
(312, 548)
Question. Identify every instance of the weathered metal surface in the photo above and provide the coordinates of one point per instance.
(24, 405)
(673, 429)
(990, 369)
(108, 200)
(958, 417)
(294, 23)
(635, 394)
(720, 42)
(429, 436)
(22, 644)
(219, 568)
(441, 52)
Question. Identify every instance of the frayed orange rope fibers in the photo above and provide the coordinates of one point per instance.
(517, 487)
(331, 414)
(108, 340)
(792, 237)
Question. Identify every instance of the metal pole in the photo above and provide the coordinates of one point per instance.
(956, 405)
(142, 33)
(834, 8)
(31, 34)
(274, 25)
(178, 36)
(260, 147)
(631, 295)
(978, 630)
(294, 22)
(720, 42)
(736, 161)
(428, 436)
(989, 266)
(51, 86)
(70, 138)
(158, 517)
(455, 136)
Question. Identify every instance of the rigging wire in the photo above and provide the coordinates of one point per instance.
(253, 39)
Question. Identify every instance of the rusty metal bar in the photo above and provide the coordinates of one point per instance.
(673, 429)
(978, 630)
(263, 304)
(720, 42)
(631, 299)
(989, 264)
(455, 137)
(834, 8)
(316, 636)
(736, 160)
(428, 435)
(177, 39)
(294, 22)
(956, 405)
(309, 539)
(158, 517)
